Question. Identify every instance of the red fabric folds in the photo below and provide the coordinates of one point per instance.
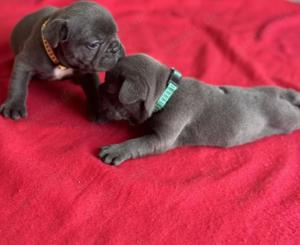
(53, 189)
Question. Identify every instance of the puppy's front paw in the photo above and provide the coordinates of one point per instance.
(115, 154)
(13, 109)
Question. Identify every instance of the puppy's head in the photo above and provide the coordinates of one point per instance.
(132, 87)
(85, 36)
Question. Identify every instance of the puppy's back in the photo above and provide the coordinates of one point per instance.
(24, 27)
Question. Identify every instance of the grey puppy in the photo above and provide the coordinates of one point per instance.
(196, 114)
(57, 43)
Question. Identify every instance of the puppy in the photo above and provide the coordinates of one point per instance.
(57, 43)
(183, 111)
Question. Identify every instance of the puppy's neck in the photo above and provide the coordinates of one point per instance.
(170, 86)
(162, 80)
(49, 50)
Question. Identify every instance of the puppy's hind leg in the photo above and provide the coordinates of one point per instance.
(292, 96)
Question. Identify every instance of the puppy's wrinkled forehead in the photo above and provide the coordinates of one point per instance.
(89, 18)
(138, 66)
(140, 70)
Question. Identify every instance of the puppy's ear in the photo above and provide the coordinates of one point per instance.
(132, 92)
(56, 31)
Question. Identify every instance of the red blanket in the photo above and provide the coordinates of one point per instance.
(54, 190)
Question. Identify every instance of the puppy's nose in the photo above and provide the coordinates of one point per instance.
(114, 47)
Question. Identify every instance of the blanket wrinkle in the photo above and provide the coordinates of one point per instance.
(277, 22)
(251, 70)
(54, 190)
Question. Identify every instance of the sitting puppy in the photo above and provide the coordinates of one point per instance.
(183, 111)
(56, 43)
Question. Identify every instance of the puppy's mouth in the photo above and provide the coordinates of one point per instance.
(113, 115)
(133, 122)
(107, 63)
(104, 65)
(104, 62)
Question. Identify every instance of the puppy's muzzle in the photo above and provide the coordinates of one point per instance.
(116, 48)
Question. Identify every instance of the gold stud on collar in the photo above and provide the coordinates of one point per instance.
(49, 49)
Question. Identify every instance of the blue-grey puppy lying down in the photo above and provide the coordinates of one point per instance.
(183, 111)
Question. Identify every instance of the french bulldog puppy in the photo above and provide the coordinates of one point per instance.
(53, 43)
(196, 114)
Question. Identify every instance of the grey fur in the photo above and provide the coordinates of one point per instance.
(197, 114)
(68, 31)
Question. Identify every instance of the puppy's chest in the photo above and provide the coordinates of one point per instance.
(59, 74)
(55, 74)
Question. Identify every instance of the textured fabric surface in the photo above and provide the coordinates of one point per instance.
(53, 189)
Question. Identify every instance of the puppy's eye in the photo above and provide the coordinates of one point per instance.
(94, 44)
